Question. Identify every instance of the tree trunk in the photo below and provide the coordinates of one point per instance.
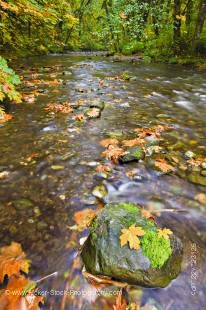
(200, 20)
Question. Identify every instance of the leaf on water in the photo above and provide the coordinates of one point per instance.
(103, 168)
(101, 281)
(163, 165)
(108, 142)
(113, 153)
(130, 236)
(84, 218)
(134, 306)
(120, 302)
(133, 142)
(18, 295)
(165, 233)
(201, 197)
(93, 113)
(12, 261)
(64, 108)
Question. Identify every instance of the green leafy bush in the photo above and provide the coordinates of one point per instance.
(8, 82)
(133, 47)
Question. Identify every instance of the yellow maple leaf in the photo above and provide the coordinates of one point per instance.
(165, 233)
(131, 235)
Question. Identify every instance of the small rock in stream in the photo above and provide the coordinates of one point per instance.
(133, 154)
(154, 264)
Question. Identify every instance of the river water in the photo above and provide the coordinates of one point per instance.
(39, 199)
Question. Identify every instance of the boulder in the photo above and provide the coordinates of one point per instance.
(154, 264)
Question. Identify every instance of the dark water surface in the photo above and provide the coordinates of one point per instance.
(38, 202)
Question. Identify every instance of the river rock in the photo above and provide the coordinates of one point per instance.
(98, 104)
(133, 154)
(155, 264)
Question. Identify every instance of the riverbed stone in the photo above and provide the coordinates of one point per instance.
(132, 154)
(154, 265)
(197, 178)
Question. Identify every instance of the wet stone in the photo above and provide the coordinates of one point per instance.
(133, 154)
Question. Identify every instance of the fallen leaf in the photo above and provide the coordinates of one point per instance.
(59, 108)
(19, 295)
(165, 233)
(147, 214)
(108, 142)
(113, 153)
(101, 281)
(12, 261)
(163, 165)
(133, 142)
(131, 235)
(201, 197)
(120, 302)
(93, 113)
(84, 218)
(101, 168)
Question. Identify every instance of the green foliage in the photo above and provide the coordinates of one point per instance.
(156, 248)
(8, 82)
(133, 47)
(130, 207)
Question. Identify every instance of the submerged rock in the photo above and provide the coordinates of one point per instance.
(133, 154)
(154, 264)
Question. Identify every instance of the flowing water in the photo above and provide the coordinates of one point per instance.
(39, 198)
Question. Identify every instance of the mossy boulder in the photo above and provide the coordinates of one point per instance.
(132, 154)
(154, 264)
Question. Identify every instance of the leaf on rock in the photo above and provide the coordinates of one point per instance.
(113, 153)
(147, 214)
(131, 235)
(163, 165)
(12, 261)
(108, 142)
(120, 302)
(133, 142)
(165, 233)
(84, 218)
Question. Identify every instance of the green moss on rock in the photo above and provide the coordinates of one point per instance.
(156, 248)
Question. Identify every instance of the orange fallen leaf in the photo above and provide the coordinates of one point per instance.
(13, 297)
(163, 165)
(103, 168)
(84, 218)
(101, 281)
(147, 214)
(113, 153)
(133, 142)
(130, 235)
(59, 108)
(108, 142)
(12, 261)
(120, 302)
